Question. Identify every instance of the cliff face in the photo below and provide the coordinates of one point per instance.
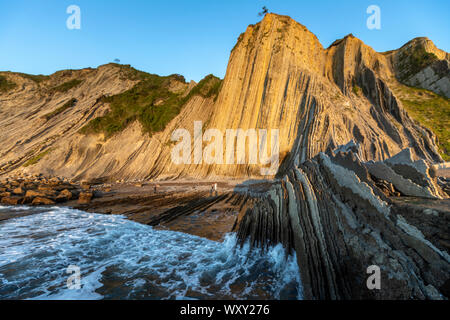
(279, 77)
(336, 214)
(420, 63)
(43, 119)
(341, 127)
(37, 115)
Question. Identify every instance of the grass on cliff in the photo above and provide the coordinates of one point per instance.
(415, 61)
(5, 84)
(356, 90)
(36, 78)
(66, 86)
(150, 102)
(431, 111)
(36, 158)
(64, 107)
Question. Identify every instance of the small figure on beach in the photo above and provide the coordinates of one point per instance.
(214, 189)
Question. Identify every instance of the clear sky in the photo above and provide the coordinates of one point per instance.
(193, 38)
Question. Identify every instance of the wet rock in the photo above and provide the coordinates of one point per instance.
(11, 201)
(85, 197)
(64, 195)
(17, 191)
(5, 194)
(40, 201)
(332, 215)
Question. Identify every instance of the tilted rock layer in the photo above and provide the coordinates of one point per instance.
(347, 147)
(279, 77)
(334, 214)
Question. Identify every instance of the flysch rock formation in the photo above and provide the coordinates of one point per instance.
(339, 221)
(279, 77)
(348, 152)
(434, 76)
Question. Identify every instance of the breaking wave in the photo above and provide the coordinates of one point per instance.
(121, 259)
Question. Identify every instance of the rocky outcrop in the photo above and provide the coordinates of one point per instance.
(331, 213)
(435, 77)
(420, 64)
(38, 191)
(342, 129)
(411, 177)
(279, 77)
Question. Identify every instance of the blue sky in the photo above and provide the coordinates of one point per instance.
(193, 38)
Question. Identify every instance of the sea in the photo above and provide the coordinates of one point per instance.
(59, 253)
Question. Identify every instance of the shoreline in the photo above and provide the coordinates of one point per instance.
(185, 206)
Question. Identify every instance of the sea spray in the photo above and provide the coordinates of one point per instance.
(121, 259)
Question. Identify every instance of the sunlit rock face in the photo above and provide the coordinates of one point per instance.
(279, 77)
(419, 63)
(340, 219)
(348, 151)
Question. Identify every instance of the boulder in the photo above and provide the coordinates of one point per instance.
(34, 194)
(64, 196)
(14, 184)
(17, 191)
(30, 195)
(85, 197)
(41, 201)
(12, 201)
(5, 194)
(47, 190)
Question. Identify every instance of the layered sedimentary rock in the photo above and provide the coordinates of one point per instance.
(279, 77)
(348, 150)
(420, 64)
(34, 142)
(332, 214)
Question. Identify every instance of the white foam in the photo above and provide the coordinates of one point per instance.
(121, 259)
(16, 208)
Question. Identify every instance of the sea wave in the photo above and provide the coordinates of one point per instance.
(121, 259)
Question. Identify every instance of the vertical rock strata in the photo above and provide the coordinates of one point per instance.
(330, 212)
(342, 130)
(279, 77)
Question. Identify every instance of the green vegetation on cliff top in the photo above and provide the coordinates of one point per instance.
(415, 61)
(150, 101)
(431, 111)
(6, 85)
